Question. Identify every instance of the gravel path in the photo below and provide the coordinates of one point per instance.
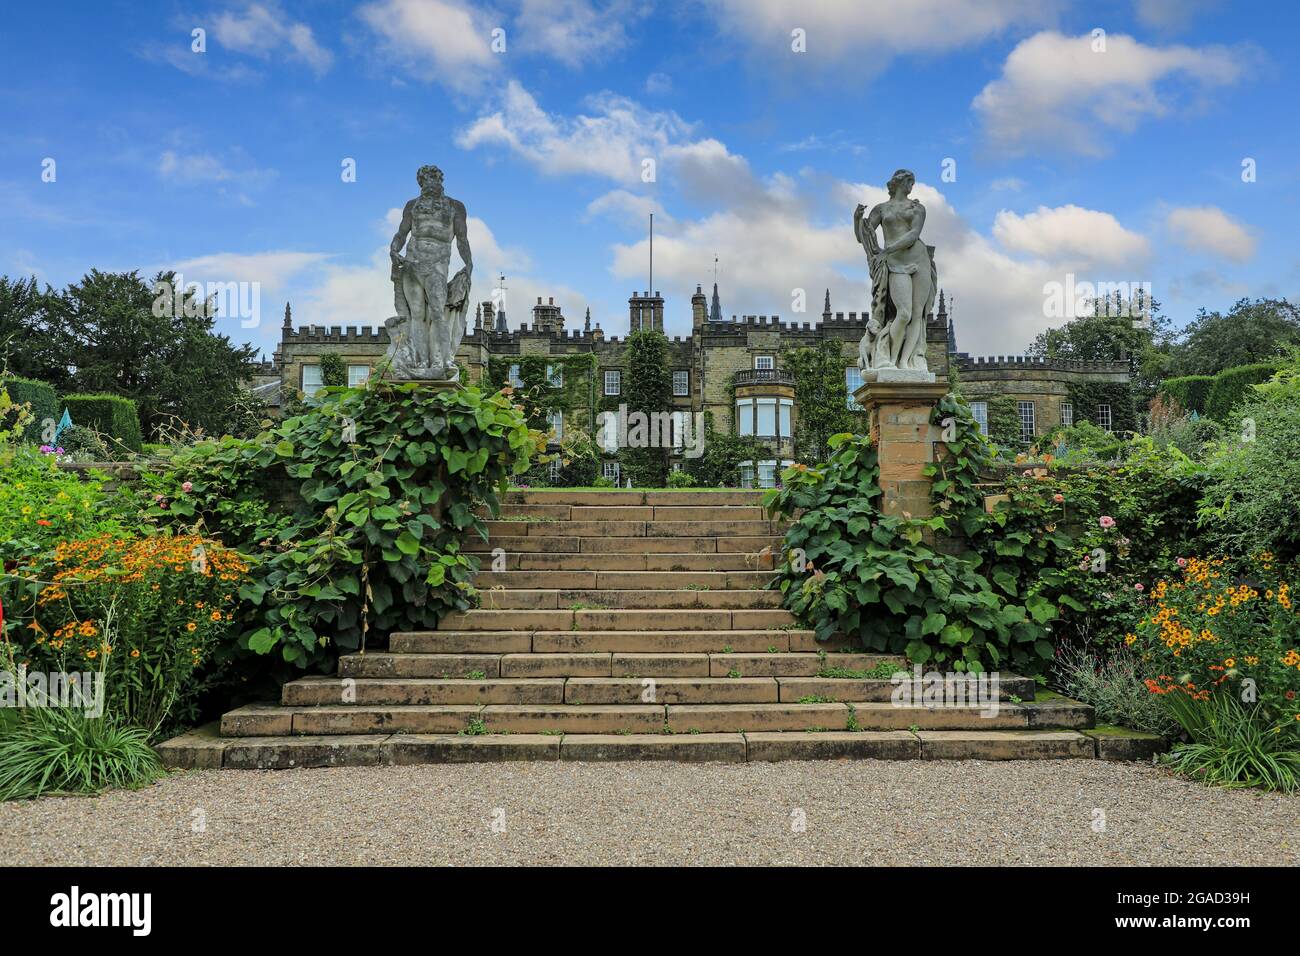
(873, 812)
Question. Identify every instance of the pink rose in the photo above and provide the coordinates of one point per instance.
(1058, 498)
(1107, 522)
(187, 487)
(1182, 562)
(1138, 587)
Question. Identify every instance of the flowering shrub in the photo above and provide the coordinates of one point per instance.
(1208, 633)
(145, 612)
(41, 505)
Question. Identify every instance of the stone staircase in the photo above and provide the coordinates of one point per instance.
(625, 626)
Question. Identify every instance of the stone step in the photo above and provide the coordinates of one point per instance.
(320, 691)
(568, 512)
(576, 599)
(557, 542)
(728, 561)
(468, 644)
(204, 749)
(596, 718)
(670, 690)
(718, 527)
(624, 580)
(875, 690)
(709, 498)
(617, 619)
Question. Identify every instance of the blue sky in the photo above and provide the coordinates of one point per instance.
(1114, 157)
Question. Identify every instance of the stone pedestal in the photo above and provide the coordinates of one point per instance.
(898, 412)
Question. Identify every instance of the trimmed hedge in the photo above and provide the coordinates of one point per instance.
(44, 402)
(1232, 386)
(111, 415)
(1188, 391)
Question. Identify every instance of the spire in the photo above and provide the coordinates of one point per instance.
(950, 322)
(586, 324)
(715, 310)
(288, 317)
(501, 319)
(826, 306)
(478, 316)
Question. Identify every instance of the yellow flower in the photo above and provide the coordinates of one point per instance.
(190, 626)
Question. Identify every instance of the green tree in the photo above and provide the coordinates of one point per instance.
(169, 360)
(1251, 332)
(29, 346)
(1115, 334)
(823, 398)
(332, 370)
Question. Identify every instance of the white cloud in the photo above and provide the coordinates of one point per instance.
(262, 29)
(1056, 92)
(192, 167)
(657, 84)
(629, 209)
(1210, 230)
(575, 32)
(1070, 234)
(611, 140)
(869, 31)
(444, 40)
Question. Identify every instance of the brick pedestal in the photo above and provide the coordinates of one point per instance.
(899, 415)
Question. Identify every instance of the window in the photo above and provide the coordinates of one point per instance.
(557, 425)
(746, 474)
(358, 375)
(515, 380)
(554, 468)
(744, 416)
(766, 427)
(1103, 417)
(1067, 414)
(680, 424)
(767, 474)
(311, 381)
(853, 382)
(555, 376)
(787, 412)
(610, 470)
(980, 411)
(1026, 420)
(613, 381)
(764, 363)
(681, 382)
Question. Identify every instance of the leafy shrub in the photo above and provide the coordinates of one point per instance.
(63, 750)
(42, 400)
(84, 444)
(110, 415)
(355, 511)
(719, 465)
(1250, 491)
(144, 612)
(680, 479)
(1232, 386)
(848, 568)
(1083, 443)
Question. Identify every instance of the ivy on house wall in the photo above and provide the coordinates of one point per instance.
(574, 396)
(822, 398)
(647, 387)
(1086, 396)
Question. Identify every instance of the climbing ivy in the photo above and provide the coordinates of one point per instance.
(352, 513)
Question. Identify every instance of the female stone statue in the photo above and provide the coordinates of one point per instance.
(903, 279)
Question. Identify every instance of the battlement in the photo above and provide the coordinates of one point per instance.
(993, 363)
(336, 334)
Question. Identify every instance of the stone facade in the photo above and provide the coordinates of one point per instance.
(721, 362)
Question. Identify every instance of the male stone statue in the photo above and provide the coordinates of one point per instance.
(903, 285)
(430, 320)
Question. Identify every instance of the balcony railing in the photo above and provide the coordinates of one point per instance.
(764, 376)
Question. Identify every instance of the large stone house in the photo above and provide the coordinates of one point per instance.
(730, 368)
